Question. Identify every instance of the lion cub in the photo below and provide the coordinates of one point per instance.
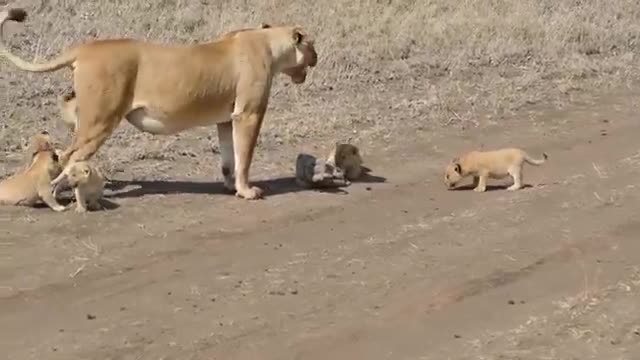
(346, 157)
(33, 184)
(87, 183)
(494, 164)
(315, 173)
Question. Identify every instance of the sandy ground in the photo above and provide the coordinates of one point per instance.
(393, 267)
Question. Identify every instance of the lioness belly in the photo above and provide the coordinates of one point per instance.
(157, 123)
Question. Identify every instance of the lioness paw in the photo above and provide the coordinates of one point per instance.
(252, 193)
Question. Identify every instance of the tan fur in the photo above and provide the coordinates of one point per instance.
(33, 184)
(347, 158)
(494, 164)
(87, 183)
(68, 105)
(165, 89)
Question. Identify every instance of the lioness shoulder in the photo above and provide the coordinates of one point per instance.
(494, 164)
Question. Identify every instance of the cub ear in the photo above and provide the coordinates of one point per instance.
(86, 171)
(297, 36)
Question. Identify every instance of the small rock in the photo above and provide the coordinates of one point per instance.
(511, 302)
(457, 336)
(91, 317)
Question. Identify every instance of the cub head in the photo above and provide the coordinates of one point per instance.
(79, 173)
(40, 142)
(453, 173)
(347, 156)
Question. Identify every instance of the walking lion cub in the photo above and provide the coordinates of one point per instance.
(495, 164)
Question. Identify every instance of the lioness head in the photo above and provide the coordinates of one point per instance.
(300, 50)
(453, 173)
(79, 173)
(291, 45)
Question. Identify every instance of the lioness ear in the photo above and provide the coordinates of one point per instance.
(458, 168)
(87, 171)
(297, 37)
(265, 26)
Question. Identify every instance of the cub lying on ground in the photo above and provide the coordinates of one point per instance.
(494, 164)
(346, 157)
(87, 183)
(315, 173)
(33, 184)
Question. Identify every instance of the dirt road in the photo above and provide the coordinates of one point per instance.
(396, 268)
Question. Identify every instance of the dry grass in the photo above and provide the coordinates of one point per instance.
(429, 63)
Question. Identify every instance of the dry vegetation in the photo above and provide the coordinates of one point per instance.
(383, 64)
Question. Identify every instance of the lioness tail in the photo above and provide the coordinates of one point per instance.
(19, 15)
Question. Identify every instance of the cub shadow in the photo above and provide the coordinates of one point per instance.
(272, 187)
(66, 199)
(504, 187)
(367, 177)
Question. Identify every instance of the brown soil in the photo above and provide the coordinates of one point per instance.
(397, 267)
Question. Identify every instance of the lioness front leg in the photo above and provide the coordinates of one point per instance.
(225, 141)
(245, 135)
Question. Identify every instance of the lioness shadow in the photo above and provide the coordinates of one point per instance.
(272, 187)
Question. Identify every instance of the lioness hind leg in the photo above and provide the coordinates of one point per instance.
(101, 105)
(245, 135)
(86, 143)
(225, 141)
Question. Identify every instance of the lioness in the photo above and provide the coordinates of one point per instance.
(494, 164)
(165, 89)
(33, 184)
(87, 183)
